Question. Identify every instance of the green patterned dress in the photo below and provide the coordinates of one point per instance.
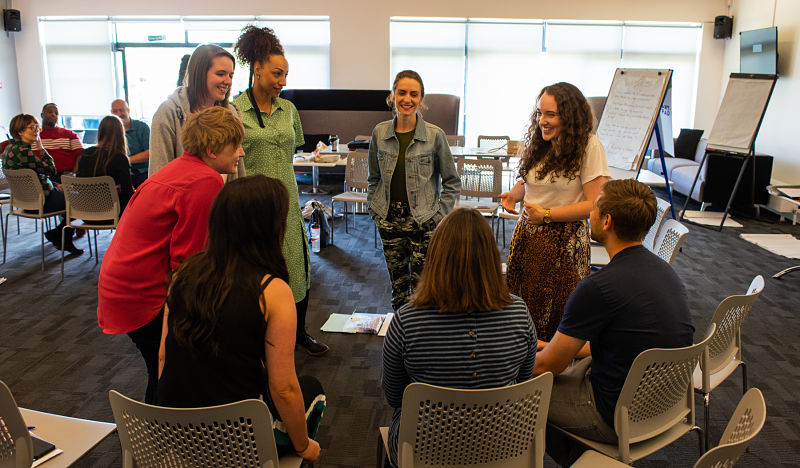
(270, 151)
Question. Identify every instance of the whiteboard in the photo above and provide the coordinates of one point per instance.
(740, 113)
(632, 108)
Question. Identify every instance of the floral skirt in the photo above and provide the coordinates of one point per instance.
(545, 263)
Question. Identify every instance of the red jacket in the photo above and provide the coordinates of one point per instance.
(166, 221)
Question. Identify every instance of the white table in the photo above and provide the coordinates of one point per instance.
(467, 152)
(72, 435)
(646, 177)
(315, 190)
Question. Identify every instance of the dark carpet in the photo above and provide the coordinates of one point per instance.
(55, 358)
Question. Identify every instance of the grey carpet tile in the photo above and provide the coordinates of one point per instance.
(55, 358)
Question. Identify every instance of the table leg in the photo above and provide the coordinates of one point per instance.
(315, 190)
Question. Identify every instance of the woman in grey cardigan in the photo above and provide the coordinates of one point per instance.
(207, 83)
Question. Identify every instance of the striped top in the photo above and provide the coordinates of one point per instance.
(63, 145)
(457, 350)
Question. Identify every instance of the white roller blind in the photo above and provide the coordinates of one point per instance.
(505, 63)
(79, 65)
(435, 50)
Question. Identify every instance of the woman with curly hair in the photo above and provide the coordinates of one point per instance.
(562, 169)
(272, 131)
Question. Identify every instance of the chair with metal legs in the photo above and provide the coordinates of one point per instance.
(488, 428)
(355, 187)
(656, 404)
(744, 425)
(236, 434)
(90, 199)
(669, 240)
(28, 198)
(724, 353)
(480, 178)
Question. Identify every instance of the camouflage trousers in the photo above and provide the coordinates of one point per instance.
(405, 242)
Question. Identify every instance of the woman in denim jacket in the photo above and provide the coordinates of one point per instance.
(407, 156)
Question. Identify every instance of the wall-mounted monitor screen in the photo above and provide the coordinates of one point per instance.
(758, 51)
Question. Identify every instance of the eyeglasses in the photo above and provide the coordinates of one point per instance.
(547, 115)
(34, 127)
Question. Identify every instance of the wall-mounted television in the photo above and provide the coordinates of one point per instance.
(758, 51)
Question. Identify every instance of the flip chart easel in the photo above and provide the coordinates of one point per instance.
(629, 119)
(736, 126)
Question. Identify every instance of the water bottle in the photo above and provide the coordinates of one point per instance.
(315, 237)
(334, 142)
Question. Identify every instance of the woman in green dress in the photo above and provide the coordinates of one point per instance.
(272, 131)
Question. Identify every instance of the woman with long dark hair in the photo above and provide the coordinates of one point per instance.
(207, 83)
(461, 327)
(109, 157)
(407, 159)
(562, 169)
(272, 131)
(229, 317)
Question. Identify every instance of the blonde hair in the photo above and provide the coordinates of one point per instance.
(462, 270)
(214, 129)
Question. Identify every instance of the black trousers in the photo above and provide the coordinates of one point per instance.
(148, 339)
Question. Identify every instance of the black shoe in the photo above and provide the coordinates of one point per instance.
(54, 237)
(312, 346)
(70, 247)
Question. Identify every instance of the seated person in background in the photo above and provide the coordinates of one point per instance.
(165, 222)
(461, 327)
(634, 303)
(62, 144)
(137, 135)
(109, 158)
(24, 153)
(229, 320)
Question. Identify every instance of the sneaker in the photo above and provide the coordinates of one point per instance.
(312, 346)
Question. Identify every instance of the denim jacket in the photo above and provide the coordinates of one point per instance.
(427, 158)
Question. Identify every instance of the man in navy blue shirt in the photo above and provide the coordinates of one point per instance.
(634, 303)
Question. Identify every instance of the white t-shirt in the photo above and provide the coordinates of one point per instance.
(564, 191)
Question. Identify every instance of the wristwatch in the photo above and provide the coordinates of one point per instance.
(547, 218)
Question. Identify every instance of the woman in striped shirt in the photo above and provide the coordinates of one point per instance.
(461, 327)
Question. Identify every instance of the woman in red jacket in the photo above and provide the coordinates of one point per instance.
(165, 222)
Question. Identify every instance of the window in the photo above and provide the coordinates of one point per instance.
(79, 66)
(498, 67)
(139, 58)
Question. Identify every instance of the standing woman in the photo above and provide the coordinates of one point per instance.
(109, 157)
(562, 169)
(407, 156)
(207, 83)
(165, 222)
(272, 131)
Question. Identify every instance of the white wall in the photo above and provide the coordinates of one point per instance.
(778, 132)
(9, 84)
(360, 55)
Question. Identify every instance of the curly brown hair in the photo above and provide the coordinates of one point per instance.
(562, 156)
(256, 45)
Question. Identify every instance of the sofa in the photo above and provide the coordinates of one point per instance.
(717, 177)
(681, 171)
